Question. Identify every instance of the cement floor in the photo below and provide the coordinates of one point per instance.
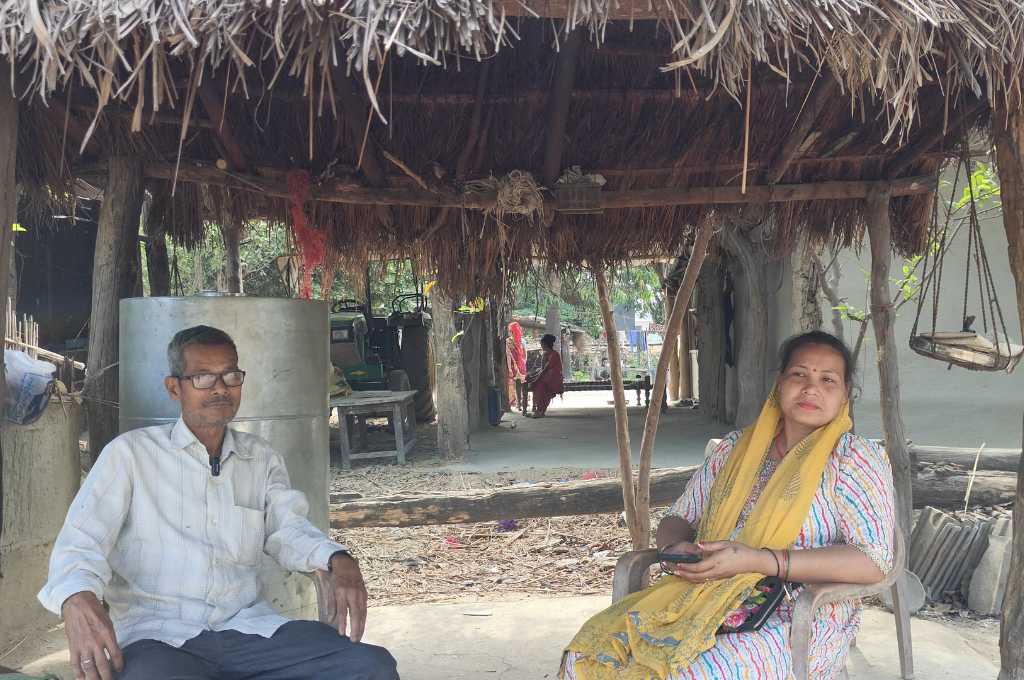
(522, 640)
(579, 432)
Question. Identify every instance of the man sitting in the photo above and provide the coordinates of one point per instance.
(169, 528)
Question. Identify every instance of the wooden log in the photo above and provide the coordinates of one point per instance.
(535, 500)
(701, 242)
(212, 94)
(605, 495)
(711, 341)
(113, 278)
(232, 235)
(883, 319)
(1001, 460)
(627, 484)
(346, 191)
(1008, 135)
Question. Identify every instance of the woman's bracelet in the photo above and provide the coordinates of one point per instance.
(789, 562)
(778, 567)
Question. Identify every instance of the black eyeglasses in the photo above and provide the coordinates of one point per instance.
(206, 381)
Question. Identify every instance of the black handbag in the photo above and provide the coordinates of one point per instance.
(763, 600)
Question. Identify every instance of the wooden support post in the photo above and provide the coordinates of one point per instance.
(682, 350)
(672, 325)
(157, 262)
(673, 352)
(8, 215)
(883, 319)
(633, 522)
(450, 385)
(232, 235)
(1008, 135)
(558, 105)
(711, 341)
(112, 279)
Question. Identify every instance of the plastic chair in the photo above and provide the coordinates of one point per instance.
(631, 572)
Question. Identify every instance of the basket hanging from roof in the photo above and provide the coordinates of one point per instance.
(964, 347)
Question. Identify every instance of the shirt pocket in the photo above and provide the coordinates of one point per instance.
(246, 535)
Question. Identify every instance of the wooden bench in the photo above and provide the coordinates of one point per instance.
(639, 385)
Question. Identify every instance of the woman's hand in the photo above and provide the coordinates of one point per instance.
(724, 559)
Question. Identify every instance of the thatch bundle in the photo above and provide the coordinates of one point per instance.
(656, 104)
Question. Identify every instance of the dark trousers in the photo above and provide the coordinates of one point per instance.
(299, 650)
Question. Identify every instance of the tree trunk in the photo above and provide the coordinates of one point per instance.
(470, 344)
(232, 235)
(157, 261)
(113, 278)
(673, 350)
(711, 340)
(626, 479)
(705, 232)
(1009, 143)
(883, 318)
(8, 215)
(750, 336)
(806, 289)
(450, 381)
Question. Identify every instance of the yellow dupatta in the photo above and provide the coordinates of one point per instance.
(647, 634)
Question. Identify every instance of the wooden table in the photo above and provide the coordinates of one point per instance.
(399, 407)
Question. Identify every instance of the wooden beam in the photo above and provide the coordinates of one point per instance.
(113, 278)
(354, 111)
(211, 93)
(604, 495)
(883, 318)
(823, 91)
(350, 192)
(931, 140)
(558, 106)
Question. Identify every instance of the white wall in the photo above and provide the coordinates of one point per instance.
(944, 407)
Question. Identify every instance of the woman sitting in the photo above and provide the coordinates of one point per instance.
(547, 382)
(795, 495)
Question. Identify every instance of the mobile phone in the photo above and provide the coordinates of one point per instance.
(685, 558)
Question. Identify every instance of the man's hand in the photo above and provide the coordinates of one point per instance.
(91, 638)
(349, 595)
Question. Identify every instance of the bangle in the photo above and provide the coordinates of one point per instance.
(778, 567)
(789, 563)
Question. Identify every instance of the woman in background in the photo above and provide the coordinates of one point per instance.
(548, 381)
(515, 362)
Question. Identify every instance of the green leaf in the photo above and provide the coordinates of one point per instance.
(455, 338)
(17, 227)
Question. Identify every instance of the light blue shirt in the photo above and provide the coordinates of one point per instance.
(174, 550)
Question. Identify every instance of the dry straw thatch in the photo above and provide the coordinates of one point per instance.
(657, 104)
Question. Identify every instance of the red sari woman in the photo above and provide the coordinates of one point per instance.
(515, 362)
(548, 381)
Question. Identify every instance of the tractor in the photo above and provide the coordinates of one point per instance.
(385, 352)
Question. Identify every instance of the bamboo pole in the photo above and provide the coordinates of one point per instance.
(672, 326)
(633, 522)
(1008, 135)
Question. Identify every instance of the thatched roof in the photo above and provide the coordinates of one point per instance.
(658, 102)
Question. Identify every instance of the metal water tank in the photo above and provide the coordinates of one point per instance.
(283, 345)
